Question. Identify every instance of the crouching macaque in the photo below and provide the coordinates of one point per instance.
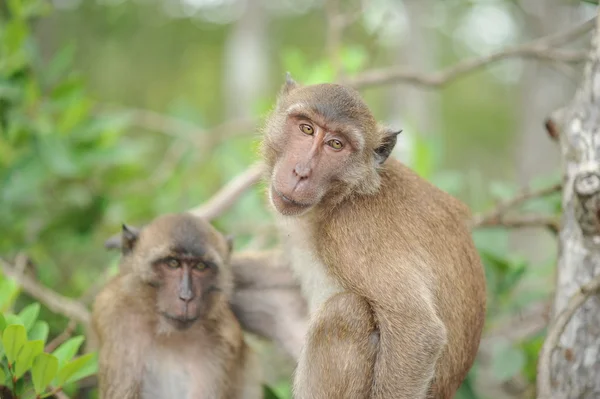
(395, 286)
(164, 324)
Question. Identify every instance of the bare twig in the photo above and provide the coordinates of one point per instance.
(542, 49)
(229, 193)
(498, 212)
(544, 378)
(521, 221)
(51, 299)
(218, 203)
(62, 337)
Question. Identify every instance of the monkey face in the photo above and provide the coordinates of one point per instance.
(185, 260)
(322, 141)
(185, 289)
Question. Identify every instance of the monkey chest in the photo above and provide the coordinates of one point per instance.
(316, 283)
(167, 376)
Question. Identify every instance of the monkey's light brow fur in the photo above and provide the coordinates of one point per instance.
(395, 286)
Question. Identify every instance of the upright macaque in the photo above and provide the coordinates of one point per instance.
(395, 286)
(164, 324)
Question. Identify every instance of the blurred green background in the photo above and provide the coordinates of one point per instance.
(117, 111)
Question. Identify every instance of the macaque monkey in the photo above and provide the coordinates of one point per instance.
(395, 287)
(266, 298)
(164, 324)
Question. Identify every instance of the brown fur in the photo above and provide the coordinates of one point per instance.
(267, 300)
(371, 234)
(142, 355)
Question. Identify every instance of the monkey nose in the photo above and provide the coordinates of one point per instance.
(186, 295)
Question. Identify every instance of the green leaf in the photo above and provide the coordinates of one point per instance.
(13, 339)
(9, 290)
(25, 359)
(89, 368)
(45, 367)
(2, 324)
(68, 371)
(29, 315)
(68, 349)
(13, 319)
(2, 376)
(268, 393)
(39, 331)
(15, 7)
(15, 33)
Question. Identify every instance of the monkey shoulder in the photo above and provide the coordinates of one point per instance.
(407, 189)
(116, 308)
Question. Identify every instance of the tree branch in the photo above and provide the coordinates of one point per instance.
(228, 194)
(521, 221)
(496, 215)
(51, 299)
(544, 378)
(542, 49)
(218, 203)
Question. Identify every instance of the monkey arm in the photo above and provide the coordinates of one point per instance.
(412, 338)
(340, 351)
(267, 300)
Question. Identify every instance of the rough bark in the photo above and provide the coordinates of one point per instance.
(575, 362)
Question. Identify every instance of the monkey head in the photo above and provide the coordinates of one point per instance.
(185, 261)
(322, 143)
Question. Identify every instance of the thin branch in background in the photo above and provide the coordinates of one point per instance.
(62, 337)
(521, 221)
(496, 214)
(541, 49)
(544, 378)
(228, 194)
(52, 300)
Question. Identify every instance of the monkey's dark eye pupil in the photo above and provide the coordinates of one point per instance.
(174, 263)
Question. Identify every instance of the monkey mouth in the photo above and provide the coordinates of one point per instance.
(286, 205)
(180, 322)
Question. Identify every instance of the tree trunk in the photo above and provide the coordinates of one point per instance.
(575, 363)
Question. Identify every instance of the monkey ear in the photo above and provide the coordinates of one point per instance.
(289, 85)
(129, 237)
(387, 145)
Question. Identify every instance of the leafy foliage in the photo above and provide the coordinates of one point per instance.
(26, 370)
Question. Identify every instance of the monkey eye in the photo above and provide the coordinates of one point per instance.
(200, 266)
(335, 144)
(307, 129)
(173, 263)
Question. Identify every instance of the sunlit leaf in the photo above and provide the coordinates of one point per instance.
(2, 324)
(13, 339)
(68, 349)
(2, 376)
(39, 331)
(15, 32)
(66, 372)
(26, 355)
(45, 367)
(29, 315)
(89, 367)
